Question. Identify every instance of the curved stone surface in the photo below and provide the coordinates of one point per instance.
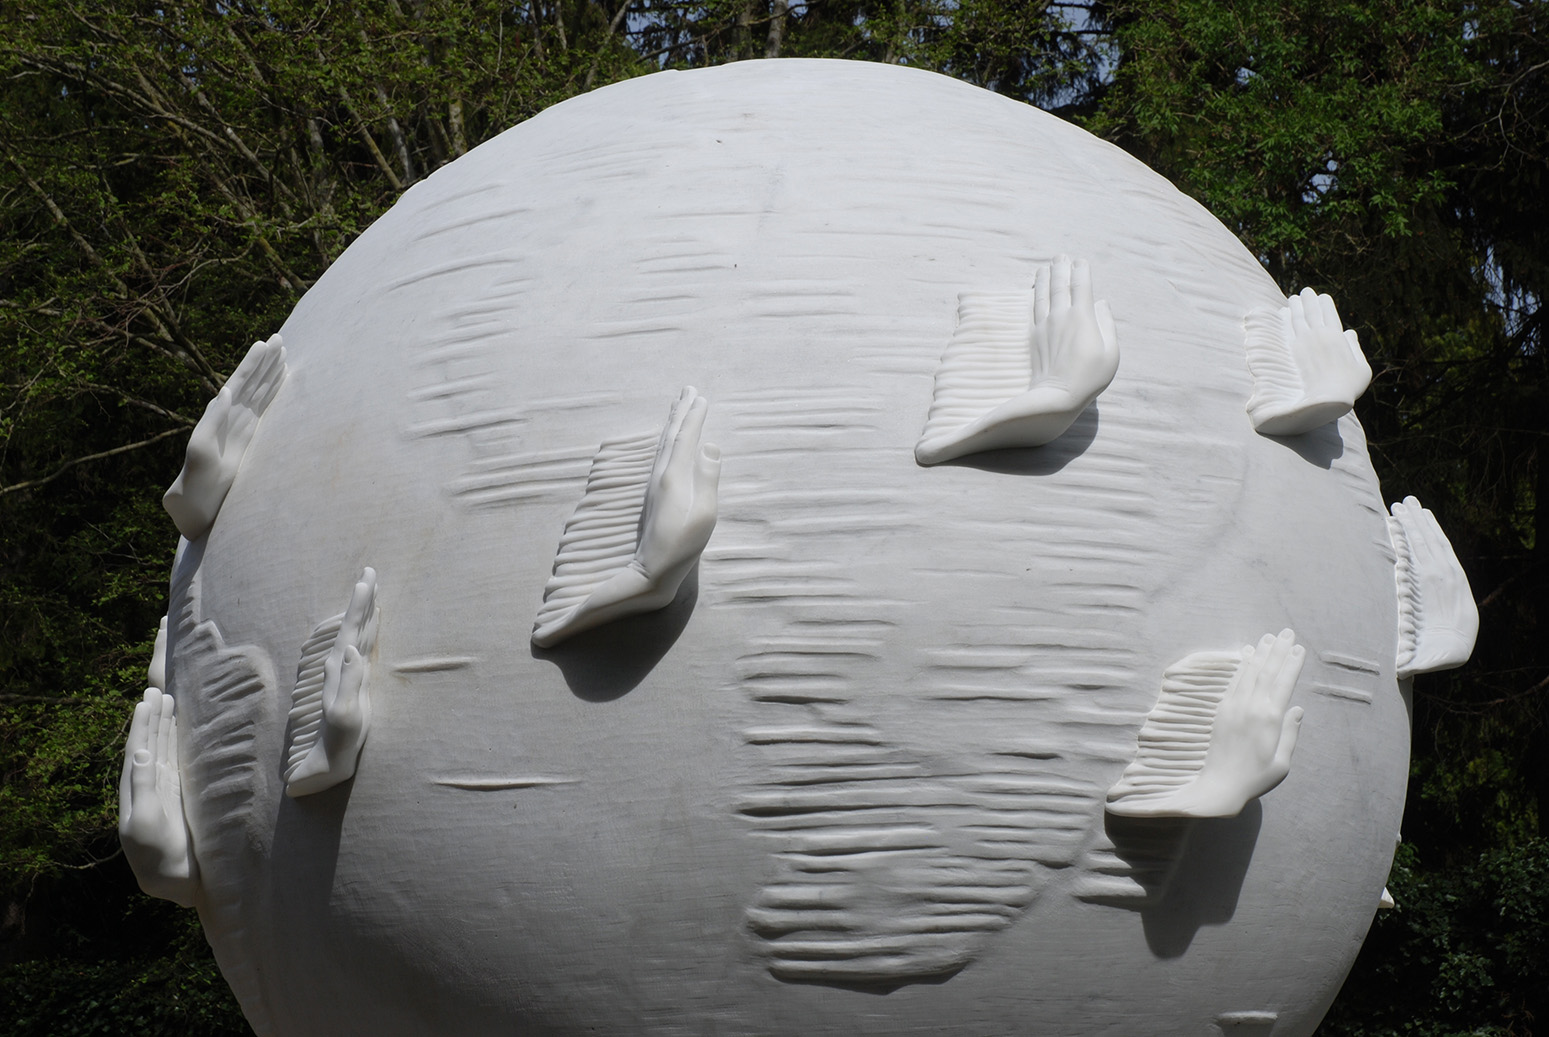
(852, 779)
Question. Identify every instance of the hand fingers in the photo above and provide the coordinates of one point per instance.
(1290, 730)
(1105, 326)
(168, 780)
(1247, 674)
(345, 710)
(142, 759)
(1081, 285)
(251, 361)
(1041, 278)
(1312, 310)
(157, 675)
(1417, 523)
(133, 746)
(685, 448)
(707, 472)
(163, 743)
(670, 431)
(1266, 657)
(1298, 315)
(1282, 669)
(362, 604)
(266, 384)
(1328, 312)
(368, 635)
(1354, 342)
(1059, 284)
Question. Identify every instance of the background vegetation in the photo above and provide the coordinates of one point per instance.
(175, 174)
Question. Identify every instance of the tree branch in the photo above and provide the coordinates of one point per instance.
(62, 469)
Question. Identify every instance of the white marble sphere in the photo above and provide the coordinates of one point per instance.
(852, 780)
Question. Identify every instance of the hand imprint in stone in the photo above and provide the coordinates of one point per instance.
(676, 521)
(1251, 738)
(222, 436)
(151, 825)
(1443, 617)
(1073, 354)
(346, 701)
(1308, 370)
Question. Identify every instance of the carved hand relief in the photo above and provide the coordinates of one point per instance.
(330, 713)
(222, 436)
(1437, 618)
(645, 518)
(1014, 377)
(1307, 369)
(1219, 736)
(156, 676)
(151, 825)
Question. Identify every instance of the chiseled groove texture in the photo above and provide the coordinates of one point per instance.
(223, 694)
(1353, 467)
(901, 842)
(986, 363)
(1277, 383)
(792, 555)
(601, 537)
(305, 725)
(1410, 616)
(458, 393)
(1136, 876)
(1176, 734)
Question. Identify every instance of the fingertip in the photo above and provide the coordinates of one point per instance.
(711, 452)
(142, 757)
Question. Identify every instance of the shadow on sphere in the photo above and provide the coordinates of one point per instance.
(1206, 882)
(610, 661)
(305, 852)
(1035, 460)
(1322, 446)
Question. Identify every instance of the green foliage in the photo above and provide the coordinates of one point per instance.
(1469, 943)
(157, 979)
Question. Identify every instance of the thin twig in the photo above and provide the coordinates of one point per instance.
(62, 469)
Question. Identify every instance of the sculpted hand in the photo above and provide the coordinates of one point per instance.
(222, 436)
(1438, 620)
(676, 520)
(346, 704)
(151, 825)
(1308, 370)
(1251, 739)
(1073, 354)
(156, 677)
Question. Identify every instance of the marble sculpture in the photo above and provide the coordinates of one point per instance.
(486, 704)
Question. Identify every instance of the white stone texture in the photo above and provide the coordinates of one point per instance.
(870, 742)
